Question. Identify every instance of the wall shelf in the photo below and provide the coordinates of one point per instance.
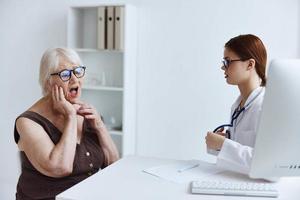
(113, 132)
(98, 50)
(110, 80)
(103, 88)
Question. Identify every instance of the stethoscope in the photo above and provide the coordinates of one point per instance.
(235, 115)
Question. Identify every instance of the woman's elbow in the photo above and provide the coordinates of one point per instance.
(64, 171)
(110, 156)
(114, 157)
(59, 170)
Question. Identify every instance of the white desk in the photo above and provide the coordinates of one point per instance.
(125, 180)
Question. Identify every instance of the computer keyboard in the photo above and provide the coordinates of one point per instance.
(234, 188)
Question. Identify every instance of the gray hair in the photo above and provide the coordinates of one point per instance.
(50, 62)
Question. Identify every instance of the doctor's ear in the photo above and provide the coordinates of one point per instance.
(251, 64)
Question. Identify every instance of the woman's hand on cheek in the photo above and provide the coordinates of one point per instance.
(60, 103)
(214, 141)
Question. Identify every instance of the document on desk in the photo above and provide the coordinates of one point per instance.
(184, 171)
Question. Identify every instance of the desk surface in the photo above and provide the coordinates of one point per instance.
(125, 180)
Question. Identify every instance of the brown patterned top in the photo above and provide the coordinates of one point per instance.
(89, 157)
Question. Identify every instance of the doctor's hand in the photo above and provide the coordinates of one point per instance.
(220, 132)
(215, 140)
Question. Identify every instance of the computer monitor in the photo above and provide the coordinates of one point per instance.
(277, 146)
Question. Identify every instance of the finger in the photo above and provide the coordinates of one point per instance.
(80, 114)
(76, 101)
(220, 129)
(86, 111)
(209, 133)
(90, 116)
(221, 133)
(76, 106)
(86, 106)
(56, 93)
(89, 109)
(53, 94)
(61, 94)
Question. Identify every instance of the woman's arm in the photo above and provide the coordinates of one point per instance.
(235, 157)
(108, 146)
(48, 158)
(232, 155)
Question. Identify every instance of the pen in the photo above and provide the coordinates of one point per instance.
(187, 168)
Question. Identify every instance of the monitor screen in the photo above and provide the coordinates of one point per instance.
(277, 146)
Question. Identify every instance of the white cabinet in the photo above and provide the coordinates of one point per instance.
(110, 81)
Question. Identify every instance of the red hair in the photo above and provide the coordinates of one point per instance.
(247, 47)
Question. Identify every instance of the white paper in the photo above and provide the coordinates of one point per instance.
(171, 172)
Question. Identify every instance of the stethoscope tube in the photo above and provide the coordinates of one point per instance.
(235, 115)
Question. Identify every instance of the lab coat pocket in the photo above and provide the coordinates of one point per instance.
(246, 137)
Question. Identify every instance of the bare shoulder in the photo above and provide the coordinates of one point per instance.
(26, 123)
(29, 132)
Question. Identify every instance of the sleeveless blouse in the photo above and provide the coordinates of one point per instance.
(89, 158)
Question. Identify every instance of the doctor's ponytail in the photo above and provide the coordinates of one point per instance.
(250, 46)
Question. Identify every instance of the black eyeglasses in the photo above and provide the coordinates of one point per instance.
(66, 74)
(226, 62)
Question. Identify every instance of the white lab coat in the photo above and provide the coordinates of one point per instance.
(236, 153)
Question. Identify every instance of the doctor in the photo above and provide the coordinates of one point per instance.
(244, 65)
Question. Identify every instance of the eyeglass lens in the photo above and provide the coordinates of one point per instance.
(66, 74)
(226, 63)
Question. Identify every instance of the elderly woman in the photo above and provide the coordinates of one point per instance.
(61, 139)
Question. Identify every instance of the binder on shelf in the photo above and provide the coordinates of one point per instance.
(119, 27)
(101, 28)
(110, 27)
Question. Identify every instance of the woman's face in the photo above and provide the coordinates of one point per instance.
(236, 72)
(71, 87)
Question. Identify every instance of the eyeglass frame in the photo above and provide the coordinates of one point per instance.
(71, 71)
(226, 66)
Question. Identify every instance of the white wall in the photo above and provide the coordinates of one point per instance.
(181, 89)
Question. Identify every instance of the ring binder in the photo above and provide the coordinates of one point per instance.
(101, 28)
(119, 27)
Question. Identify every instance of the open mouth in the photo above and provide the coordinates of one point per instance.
(73, 91)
